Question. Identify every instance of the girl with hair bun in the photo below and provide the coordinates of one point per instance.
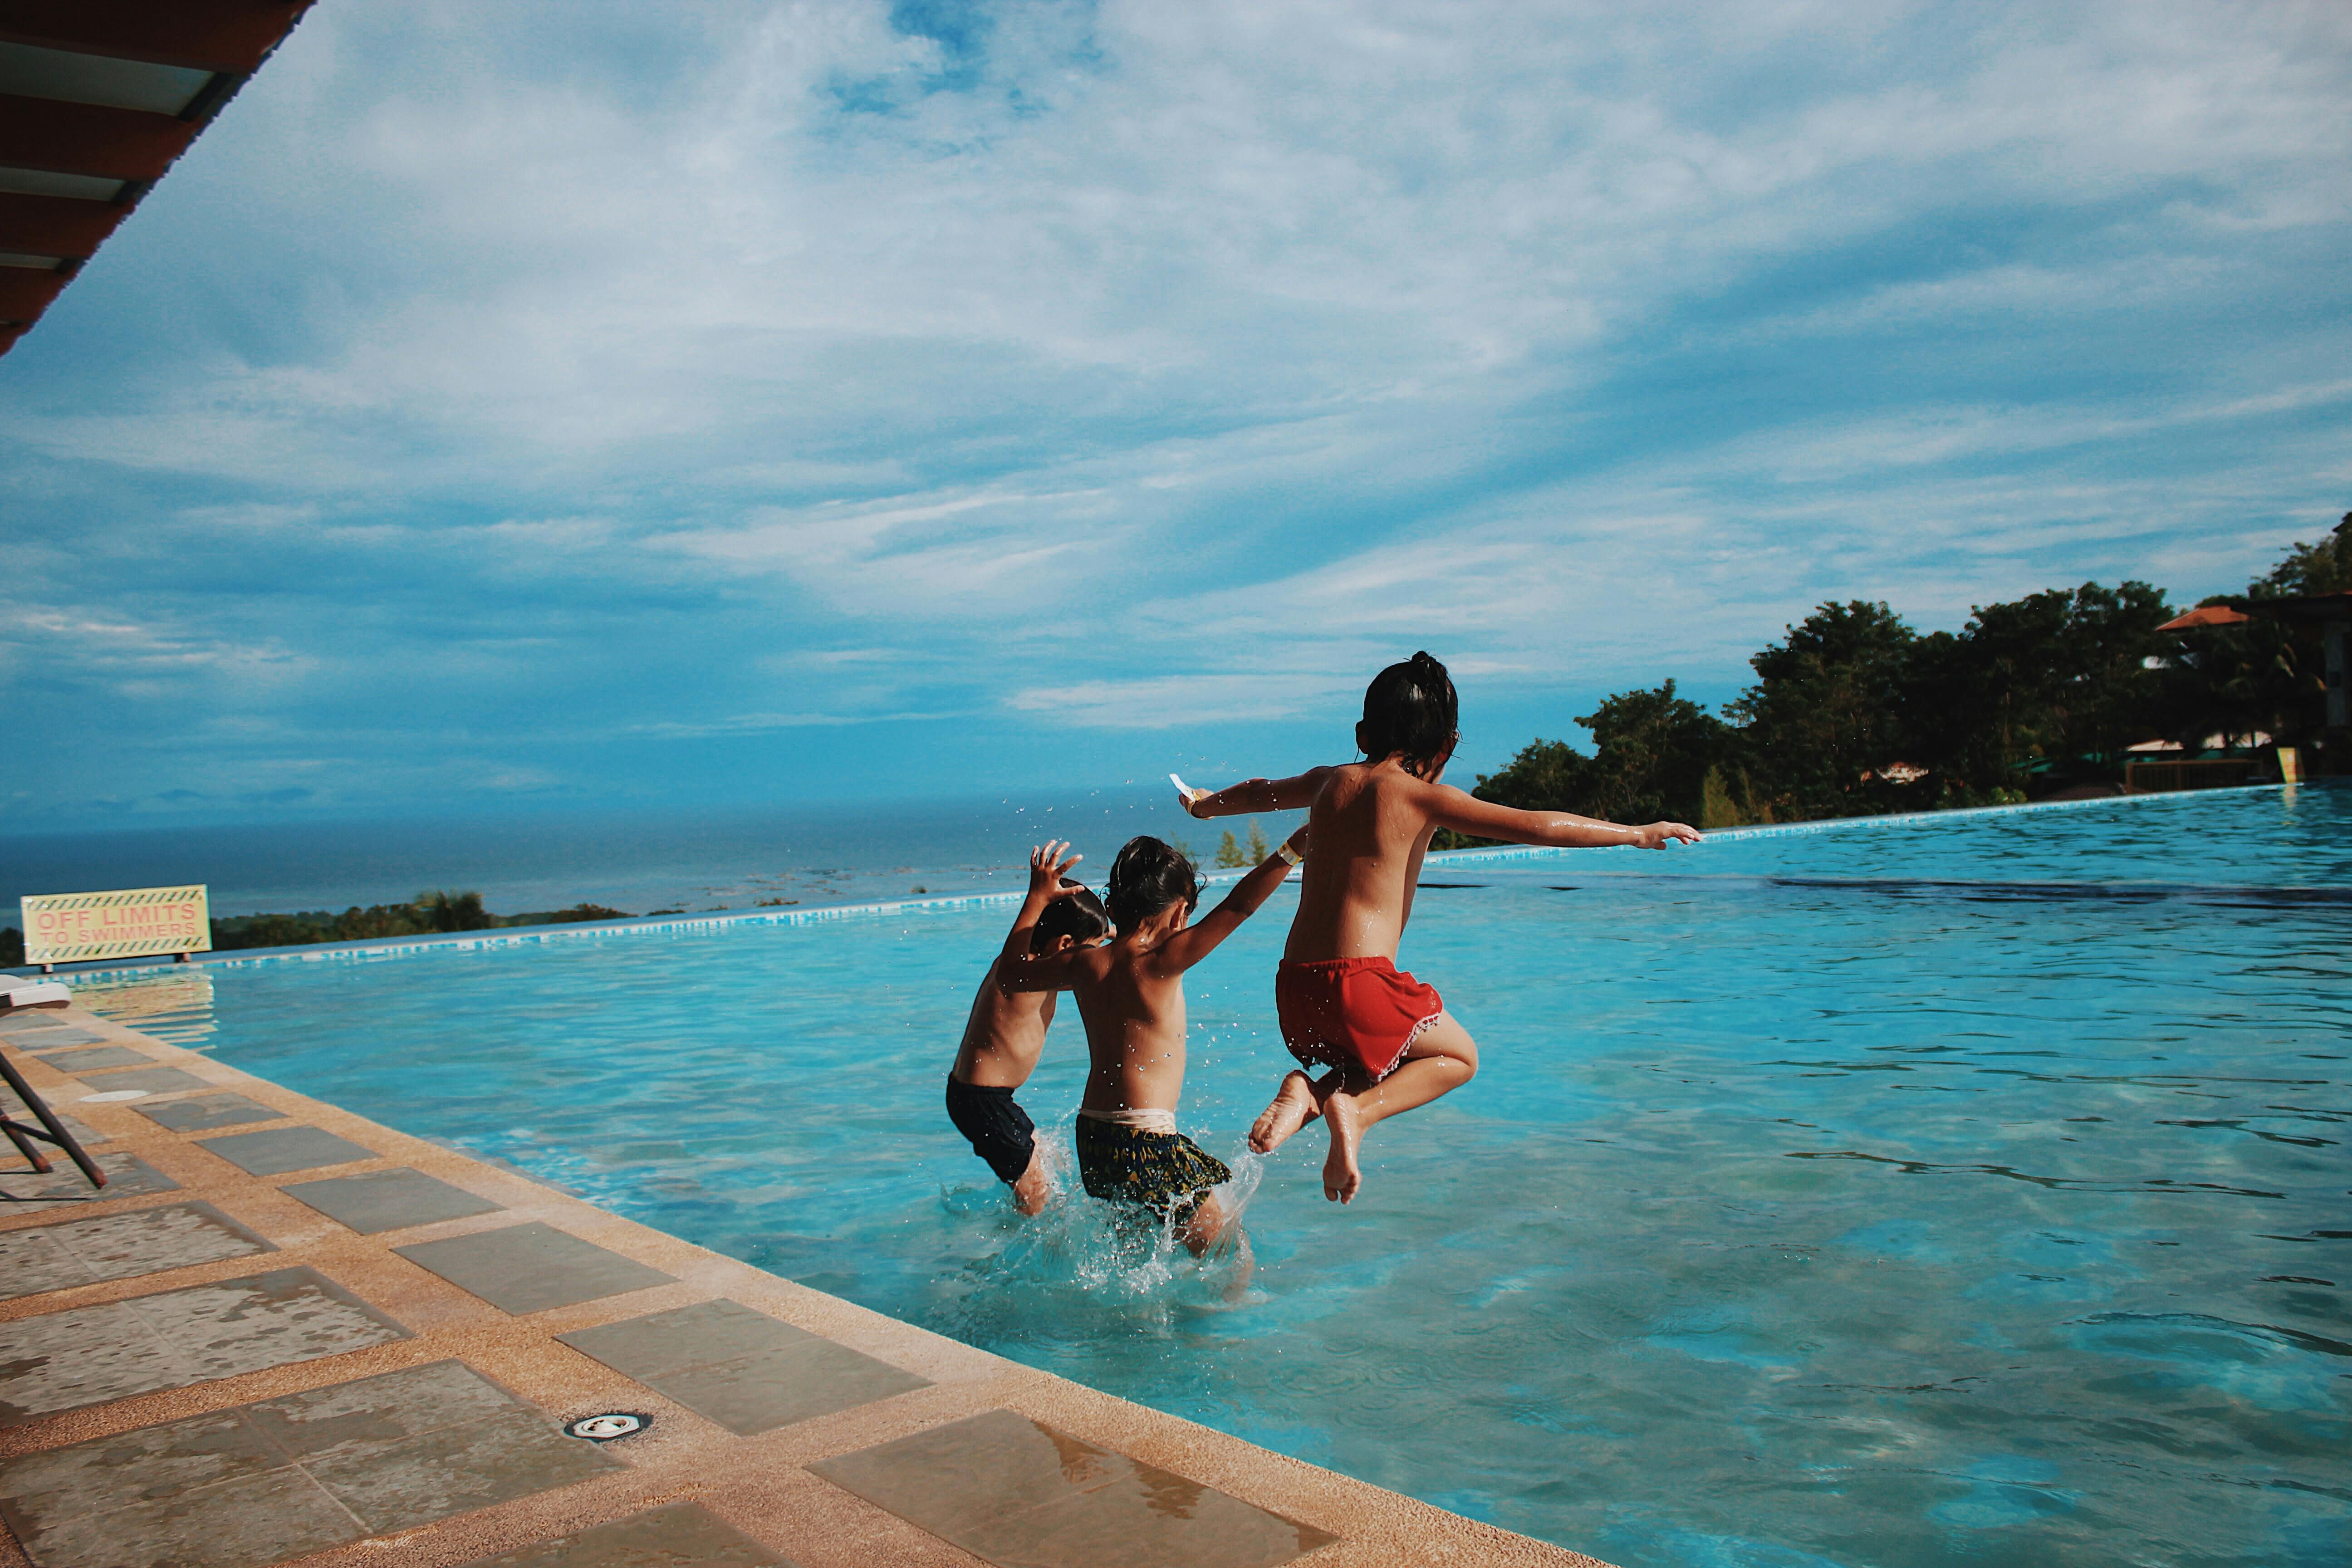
(1385, 1040)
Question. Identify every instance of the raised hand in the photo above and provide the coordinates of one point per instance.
(1046, 864)
(1186, 795)
(1658, 835)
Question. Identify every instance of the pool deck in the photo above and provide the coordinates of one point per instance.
(284, 1333)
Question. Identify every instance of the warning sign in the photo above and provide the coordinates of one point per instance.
(74, 927)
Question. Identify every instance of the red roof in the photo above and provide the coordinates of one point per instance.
(2209, 616)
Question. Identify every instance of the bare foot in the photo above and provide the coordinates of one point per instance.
(1244, 1264)
(1340, 1175)
(1031, 1192)
(1294, 1102)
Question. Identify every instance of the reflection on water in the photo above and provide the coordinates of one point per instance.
(174, 1005)
(1784, 1222)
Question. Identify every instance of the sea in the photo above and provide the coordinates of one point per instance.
(643, 863)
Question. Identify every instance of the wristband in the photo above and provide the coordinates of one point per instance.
(1290, 856)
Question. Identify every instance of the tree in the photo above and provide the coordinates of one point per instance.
(443, 911)
(1546, 775)
(2284, 664)
(1652, 753)
(1257, 850)
(1230, 852)
(2048, 680)
(2322, 568)
(1826, 713)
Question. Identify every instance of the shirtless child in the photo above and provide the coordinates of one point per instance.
(1130, 995)
(1002, 1042)
(1343, 1003)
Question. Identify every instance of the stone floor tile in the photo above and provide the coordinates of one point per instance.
(264, 1319)
(86, 1135)
(759, 1393)
(668, 1537)
(997, 1464)
(202, 1112)
(669, 1341)
(278, 1150)
(510, 1455)
(149, 1241)
(42, 1490)
(86, 1355)
(151, 1081)
(31, 1261)
(97, 1059)
(63, 1037)
(748, 1372)
(244, 1523)
(1155, 1520)
(346, 1419)
(127, 1177)
(389, 1200)
(530, 1267)
(1023, 1495)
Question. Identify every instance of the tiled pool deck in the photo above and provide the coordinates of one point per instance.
(284, 1333)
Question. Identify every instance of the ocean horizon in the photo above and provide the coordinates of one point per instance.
(693, 860)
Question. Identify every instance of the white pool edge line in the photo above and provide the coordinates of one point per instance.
(518, 936)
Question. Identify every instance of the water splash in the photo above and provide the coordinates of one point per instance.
(1083, 1261)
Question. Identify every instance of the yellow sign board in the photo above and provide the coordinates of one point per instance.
(74, 927)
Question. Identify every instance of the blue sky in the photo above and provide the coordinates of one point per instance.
(532, 407)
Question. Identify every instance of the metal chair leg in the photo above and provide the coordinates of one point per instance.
(51, 1129)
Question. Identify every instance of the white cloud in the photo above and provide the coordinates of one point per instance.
(1160, 703)
(1198, 358)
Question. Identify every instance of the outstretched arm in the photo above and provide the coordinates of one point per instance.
(1465, 812)
(1017, 968)
(1257, 794)
(1197, 940)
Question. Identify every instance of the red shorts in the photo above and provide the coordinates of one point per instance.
(1358, 1013)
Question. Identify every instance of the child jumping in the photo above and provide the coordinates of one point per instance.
(1001, 1041)
(1131, 998)
(1343, 1003)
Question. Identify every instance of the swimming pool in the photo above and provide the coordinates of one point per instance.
(1895, 1194)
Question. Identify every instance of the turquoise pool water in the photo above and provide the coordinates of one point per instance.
(1898, 1194)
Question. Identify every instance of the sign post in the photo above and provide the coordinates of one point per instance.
(128, 922)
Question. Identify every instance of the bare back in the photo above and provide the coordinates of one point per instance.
(1003, 1037)
(1370, 823)
(1133, 1007)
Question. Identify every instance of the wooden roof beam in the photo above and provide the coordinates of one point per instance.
(55, 226)
(233, 36)
(88, 139)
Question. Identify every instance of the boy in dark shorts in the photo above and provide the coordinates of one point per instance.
(1130, 995)
(1002, 1042)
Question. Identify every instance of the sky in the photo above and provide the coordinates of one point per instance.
(555, 406)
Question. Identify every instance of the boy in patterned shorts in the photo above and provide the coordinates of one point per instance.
(1130, 994)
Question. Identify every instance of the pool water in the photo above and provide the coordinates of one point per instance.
(1972, 1191)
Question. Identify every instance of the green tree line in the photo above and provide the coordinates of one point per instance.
(1853, 714)
(429, 913)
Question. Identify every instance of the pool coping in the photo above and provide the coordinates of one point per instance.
(767, 1486)
(403, 947)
